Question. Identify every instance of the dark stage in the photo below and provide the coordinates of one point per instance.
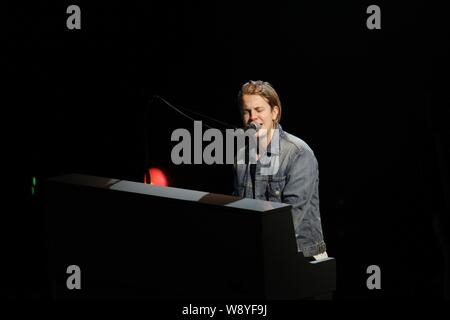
(372, 104)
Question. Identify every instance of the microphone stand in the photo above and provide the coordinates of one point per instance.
(147, 176)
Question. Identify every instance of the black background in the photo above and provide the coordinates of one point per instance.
(372, 104)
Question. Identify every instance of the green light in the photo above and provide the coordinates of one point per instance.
(33, 185)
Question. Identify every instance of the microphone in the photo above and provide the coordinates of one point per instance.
(254, 125)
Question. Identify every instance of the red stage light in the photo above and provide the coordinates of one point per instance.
(158, 178)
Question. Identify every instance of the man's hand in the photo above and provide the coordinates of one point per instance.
(321, 256)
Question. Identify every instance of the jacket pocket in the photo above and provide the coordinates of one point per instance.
(275, 188)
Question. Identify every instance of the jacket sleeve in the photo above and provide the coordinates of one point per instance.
(300, 176)
(301, 191)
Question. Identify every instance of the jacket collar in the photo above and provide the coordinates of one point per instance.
(281, 134)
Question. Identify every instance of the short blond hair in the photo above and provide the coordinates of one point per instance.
(263, 89)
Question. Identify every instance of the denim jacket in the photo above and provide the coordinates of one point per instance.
(295, 182)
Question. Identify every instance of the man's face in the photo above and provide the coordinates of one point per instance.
(255, 108)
